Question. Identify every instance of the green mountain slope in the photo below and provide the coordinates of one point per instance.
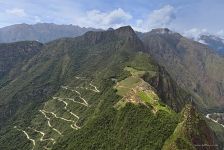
(16, 54)
(96, 91)
(191, 133)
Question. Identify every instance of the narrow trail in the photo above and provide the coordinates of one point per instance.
(73, 126)
(95, 88)
(27, 136)
(73, 121)
(85, 103)
(81, 78)
(208, 116)
(66, 104)
(49, 123)
(42, 139)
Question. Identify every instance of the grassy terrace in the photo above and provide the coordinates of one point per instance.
(124, 86)
(149, 97)
(135, 72)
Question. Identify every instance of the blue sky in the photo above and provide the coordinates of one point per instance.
(186, 16)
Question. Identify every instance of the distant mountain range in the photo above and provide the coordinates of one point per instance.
(45, 32)
(214, 42)
(42, 32)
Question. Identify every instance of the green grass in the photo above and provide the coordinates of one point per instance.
(152, 99)
(134, 72)
(124, 86)
(141, 61)
(120, 104)
(139, 65)
(149, 97)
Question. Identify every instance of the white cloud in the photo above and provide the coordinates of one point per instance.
(202, 41)
(220, 33)
(157, 18)
(99, 19)
(16, 12)
(37, 19)
(162, 17)
(195, 33)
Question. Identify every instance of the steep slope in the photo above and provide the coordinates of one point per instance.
(191, 133)
(15, 55)
(193, 65)
(43, 32)
(12, 60)
(96, 91)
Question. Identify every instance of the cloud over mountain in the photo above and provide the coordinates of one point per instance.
(100, 19)
(16, 12)
(158, 18)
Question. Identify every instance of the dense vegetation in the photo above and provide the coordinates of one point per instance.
(191, 133)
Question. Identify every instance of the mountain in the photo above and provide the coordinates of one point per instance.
(193, 65)
(101, 90)
(42, 32)
(16, 54)
(213, 42)
(191, 129)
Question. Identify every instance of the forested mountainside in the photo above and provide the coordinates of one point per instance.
(14, 56)
(42, 32)
(101, 90)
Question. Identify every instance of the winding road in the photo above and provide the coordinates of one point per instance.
(42, 137)
(74, 126)
(49, 123)
(208, 116)
(27, 136)
(46, 114)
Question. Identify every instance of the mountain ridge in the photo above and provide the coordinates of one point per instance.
(190, 63)
(43, 32)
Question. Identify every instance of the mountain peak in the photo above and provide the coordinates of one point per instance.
(126, 29)
(162, 31)
(110, 29)
(125, 32)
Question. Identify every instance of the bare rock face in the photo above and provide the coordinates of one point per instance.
(194, 66)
